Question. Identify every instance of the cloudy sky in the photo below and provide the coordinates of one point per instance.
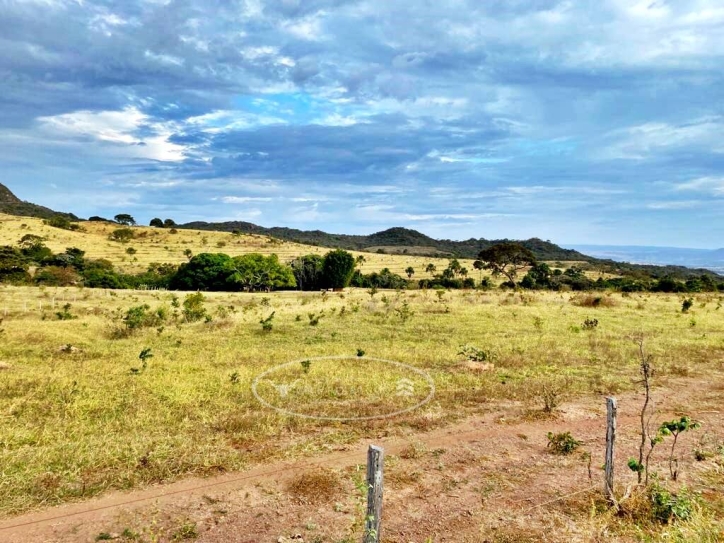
(587, 121)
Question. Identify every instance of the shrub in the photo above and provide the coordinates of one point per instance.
(266, 324)
(56, 276)
(593, 300)
(122, 235)
(194, 309)
(552, 391)
(562, 444)
(472, 353)
(686, 305)
(142, 317)
(668, 506)
(65, 314)
(62, 222)
(590, 324)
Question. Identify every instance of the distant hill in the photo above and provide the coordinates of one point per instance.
(400, 240)
(12, 205)
(396, 240)
(405, 241)
(658, 256)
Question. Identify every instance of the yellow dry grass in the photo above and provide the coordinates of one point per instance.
(77, 421)
(159, 245)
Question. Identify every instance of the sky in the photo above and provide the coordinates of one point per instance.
(596, 121)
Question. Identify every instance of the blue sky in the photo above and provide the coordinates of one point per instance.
(580, 122)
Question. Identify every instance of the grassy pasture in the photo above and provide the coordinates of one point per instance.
(159, 245)
(79, 413)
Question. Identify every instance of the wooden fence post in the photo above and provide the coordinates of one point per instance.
(375, 483)
(610, 447)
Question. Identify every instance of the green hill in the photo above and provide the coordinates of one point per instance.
(12, 205)
(395, 241)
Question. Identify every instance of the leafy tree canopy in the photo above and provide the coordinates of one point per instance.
(506, 259)
(338, 269)
(308, 271)
(125, 219)
(255, 272)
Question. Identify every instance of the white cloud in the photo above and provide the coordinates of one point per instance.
(711, 185)
(682, 204)
(641, 141)
(119, 128)
(229, 120)
(244, 199)
(309, 28)
(164, 59)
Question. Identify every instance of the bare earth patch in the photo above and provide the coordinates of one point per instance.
(487, 479)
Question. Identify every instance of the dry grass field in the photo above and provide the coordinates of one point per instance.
(159, 245)
(81, 414)
(102, 391)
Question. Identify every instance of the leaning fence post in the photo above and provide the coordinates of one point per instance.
(610, 447)
(375, 480)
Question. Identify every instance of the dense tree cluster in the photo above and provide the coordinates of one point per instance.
(71, 268)
(220, 272)
(158, 223)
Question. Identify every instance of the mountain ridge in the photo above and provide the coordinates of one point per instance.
(394, 240)
(12, 205)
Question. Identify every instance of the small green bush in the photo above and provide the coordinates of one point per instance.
(562, 444)
(668, 507)
(194, 309)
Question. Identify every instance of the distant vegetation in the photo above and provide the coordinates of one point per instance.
(32, 262)
(405, 241)
(401, 241)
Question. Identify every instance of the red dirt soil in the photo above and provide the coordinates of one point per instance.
(488, 478)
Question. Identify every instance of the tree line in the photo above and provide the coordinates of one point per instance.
(31, 262)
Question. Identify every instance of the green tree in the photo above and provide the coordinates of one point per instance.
(57, 276)
(430, 268)
(156, 223)
(410, 271)
(539, 276)
(254, 272)
(71, 258)
(33, 248)
(205, 271)
(337, 269)
(125, 219)
(122, 235)
(308, 271)
(506, 259)
(29, 241)
(62, 222)
(454, 267)
(169, 223)
(13, 266)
